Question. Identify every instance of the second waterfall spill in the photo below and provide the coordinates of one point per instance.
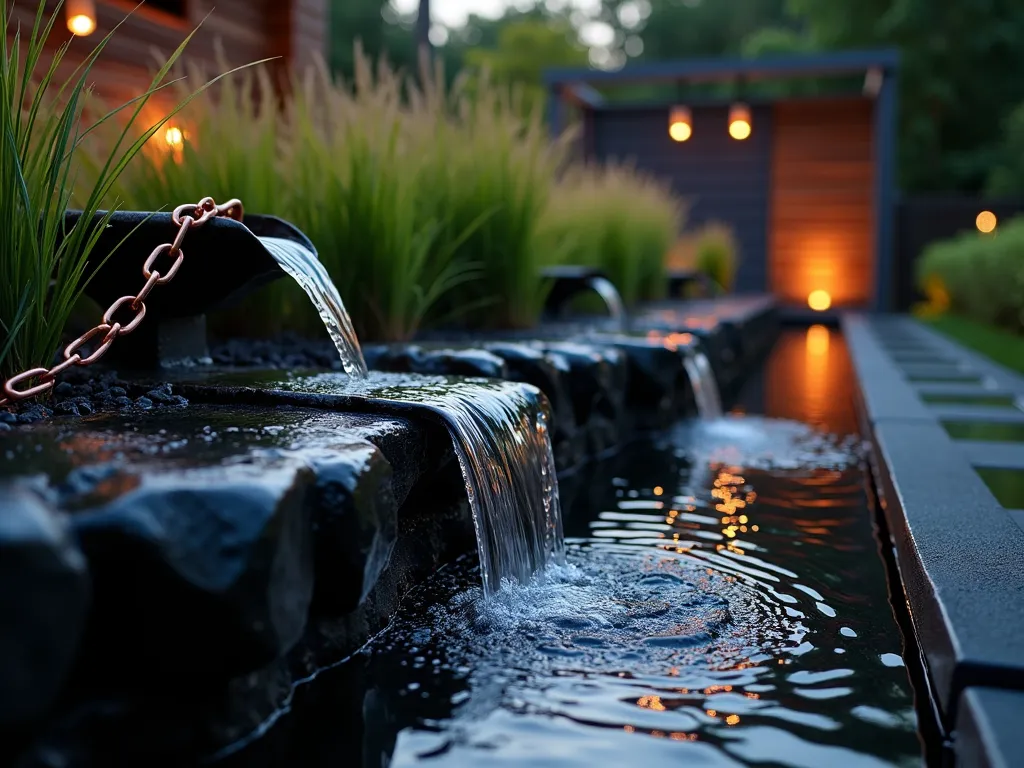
(500, 434)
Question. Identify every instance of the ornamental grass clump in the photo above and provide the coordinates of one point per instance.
(357, 188)
(44, 264)
(423, 202)
(489, 170)
(227, 145)
(619, 220)
(716, 254)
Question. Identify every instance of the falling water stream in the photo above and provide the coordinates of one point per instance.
(499, 430)
(501, 438)
(606, 289)
(305, 268)
(704, 384)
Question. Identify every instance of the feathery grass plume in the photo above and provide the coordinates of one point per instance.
(229, 146)
(43, 264)
(423, 202)
(717, 254)
(615, 218)
(489, 169)
(356, 191)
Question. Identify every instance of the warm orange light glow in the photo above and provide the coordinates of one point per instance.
(819, 300)
(986, 222)
(82, 25)
(81, 17)
(680, 124)
(740, 125)
(680, 131)
(174, 137)
(658, 490)
(817, 341)
(739, 129)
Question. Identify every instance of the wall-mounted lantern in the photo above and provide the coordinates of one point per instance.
(680, 123)
(81, 17)
(740, 125)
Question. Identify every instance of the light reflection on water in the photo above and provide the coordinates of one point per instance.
(719, 613)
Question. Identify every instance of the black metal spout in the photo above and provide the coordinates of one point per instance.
(224, 261)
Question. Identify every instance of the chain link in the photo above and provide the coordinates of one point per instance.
(185, 217)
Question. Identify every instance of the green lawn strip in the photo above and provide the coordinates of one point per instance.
(1003, 347)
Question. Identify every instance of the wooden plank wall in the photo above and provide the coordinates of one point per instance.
(245, 30)
(822, 217)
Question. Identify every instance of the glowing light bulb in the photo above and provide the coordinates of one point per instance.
(986, 222)
(174, 137)
(82, 25)
(680, 124)
(740, 125)
(739, 129)
(819, 300)
(680, 131)
(81, 17)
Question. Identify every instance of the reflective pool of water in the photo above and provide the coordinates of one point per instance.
(723, 602)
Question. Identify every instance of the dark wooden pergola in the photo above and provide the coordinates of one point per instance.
(837, 148)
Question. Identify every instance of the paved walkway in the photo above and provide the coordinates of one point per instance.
(947, 426)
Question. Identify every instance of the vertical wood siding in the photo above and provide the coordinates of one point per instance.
(245, 31)
(822, 201)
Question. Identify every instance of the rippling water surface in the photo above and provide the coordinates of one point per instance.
(722, 603)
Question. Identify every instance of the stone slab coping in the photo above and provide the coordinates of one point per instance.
(957, 549)
(988, 728)
(959, 388)
(995, 455)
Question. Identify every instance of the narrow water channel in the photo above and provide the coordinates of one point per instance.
(723, 602)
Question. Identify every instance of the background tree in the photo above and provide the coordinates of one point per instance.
(524, 48)
(960, 70)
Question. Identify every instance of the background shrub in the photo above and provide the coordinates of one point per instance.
(716, 254)
(981, 276)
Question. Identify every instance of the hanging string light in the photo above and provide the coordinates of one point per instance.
(81, 17)
(680, 123)
(740, 125)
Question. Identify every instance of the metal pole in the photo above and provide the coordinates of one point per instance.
(423, 28)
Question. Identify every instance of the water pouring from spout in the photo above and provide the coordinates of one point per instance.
(302, 265)
(604, 288)
(499, 431)
(704, 384)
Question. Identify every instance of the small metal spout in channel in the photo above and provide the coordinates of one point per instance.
(569, 281)
(223, 262)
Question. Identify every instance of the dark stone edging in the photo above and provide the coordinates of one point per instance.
(272, 620)
(958, 551)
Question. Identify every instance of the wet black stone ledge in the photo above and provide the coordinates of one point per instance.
(957, 549)
(177, 572)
